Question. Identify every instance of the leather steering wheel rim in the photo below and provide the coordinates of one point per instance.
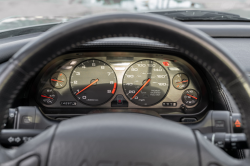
(194, 44)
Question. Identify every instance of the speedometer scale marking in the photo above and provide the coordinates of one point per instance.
(93, 82)
(146, 83)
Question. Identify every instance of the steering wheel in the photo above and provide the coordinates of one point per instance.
(124, 138)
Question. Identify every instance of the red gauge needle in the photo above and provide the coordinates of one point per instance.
(88, 86)
(182, 81)
(141, 87)
(56, 80)
(192, 96)
(47, 97)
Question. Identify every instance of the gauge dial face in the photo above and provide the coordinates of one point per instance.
(48, 96)
(93, 82)
(180, 81)
(146, 83)
(58, 80)
(190, 97)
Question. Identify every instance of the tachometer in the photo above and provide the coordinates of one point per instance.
(93, 82)
(146, 83)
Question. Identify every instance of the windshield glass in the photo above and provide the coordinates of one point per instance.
(25, 13)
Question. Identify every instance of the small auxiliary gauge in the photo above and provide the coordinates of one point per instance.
(58, 80)
(180, 81)
(190, 97)
(48, 96)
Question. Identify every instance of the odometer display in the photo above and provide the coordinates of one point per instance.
(146, 83)
(93, 82)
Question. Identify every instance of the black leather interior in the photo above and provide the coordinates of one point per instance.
(197, 47)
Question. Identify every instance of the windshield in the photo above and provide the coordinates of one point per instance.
(25, 13)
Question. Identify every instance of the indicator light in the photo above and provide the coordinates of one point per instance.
(173, 69)
(237, 123)
(120, 64)
(73, 62)
(119, 68)
(67, 67)
(165, 63)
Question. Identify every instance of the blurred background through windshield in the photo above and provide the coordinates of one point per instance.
(22, 13)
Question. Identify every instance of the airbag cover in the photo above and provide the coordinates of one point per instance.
(122, 139)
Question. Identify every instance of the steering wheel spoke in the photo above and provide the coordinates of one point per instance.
(35, 152)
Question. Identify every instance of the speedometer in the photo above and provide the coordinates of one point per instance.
(146, 83)
(93, 82)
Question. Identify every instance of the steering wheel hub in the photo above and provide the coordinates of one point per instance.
(123, 139)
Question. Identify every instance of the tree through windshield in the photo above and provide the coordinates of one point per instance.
(24, 13)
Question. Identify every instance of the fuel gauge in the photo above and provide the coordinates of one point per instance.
(58, 80)
(180, 81)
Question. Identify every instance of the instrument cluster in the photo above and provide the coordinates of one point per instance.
(127, 81)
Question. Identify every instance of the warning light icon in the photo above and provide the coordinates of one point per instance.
(165, 63)
(237, 123)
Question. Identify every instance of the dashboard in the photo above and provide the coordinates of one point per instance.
(94, 82)
(211, 94)
(131, 75)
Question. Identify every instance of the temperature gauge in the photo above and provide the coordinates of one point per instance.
(180, 81)
(48, 96)
(190, 97)
(58, 80)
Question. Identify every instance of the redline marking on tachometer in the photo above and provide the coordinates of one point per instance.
(47, 97)
(142, 87)
(114, 88)
(192, 96)
(88, 86)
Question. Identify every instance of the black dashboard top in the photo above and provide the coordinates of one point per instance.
(233, 35)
